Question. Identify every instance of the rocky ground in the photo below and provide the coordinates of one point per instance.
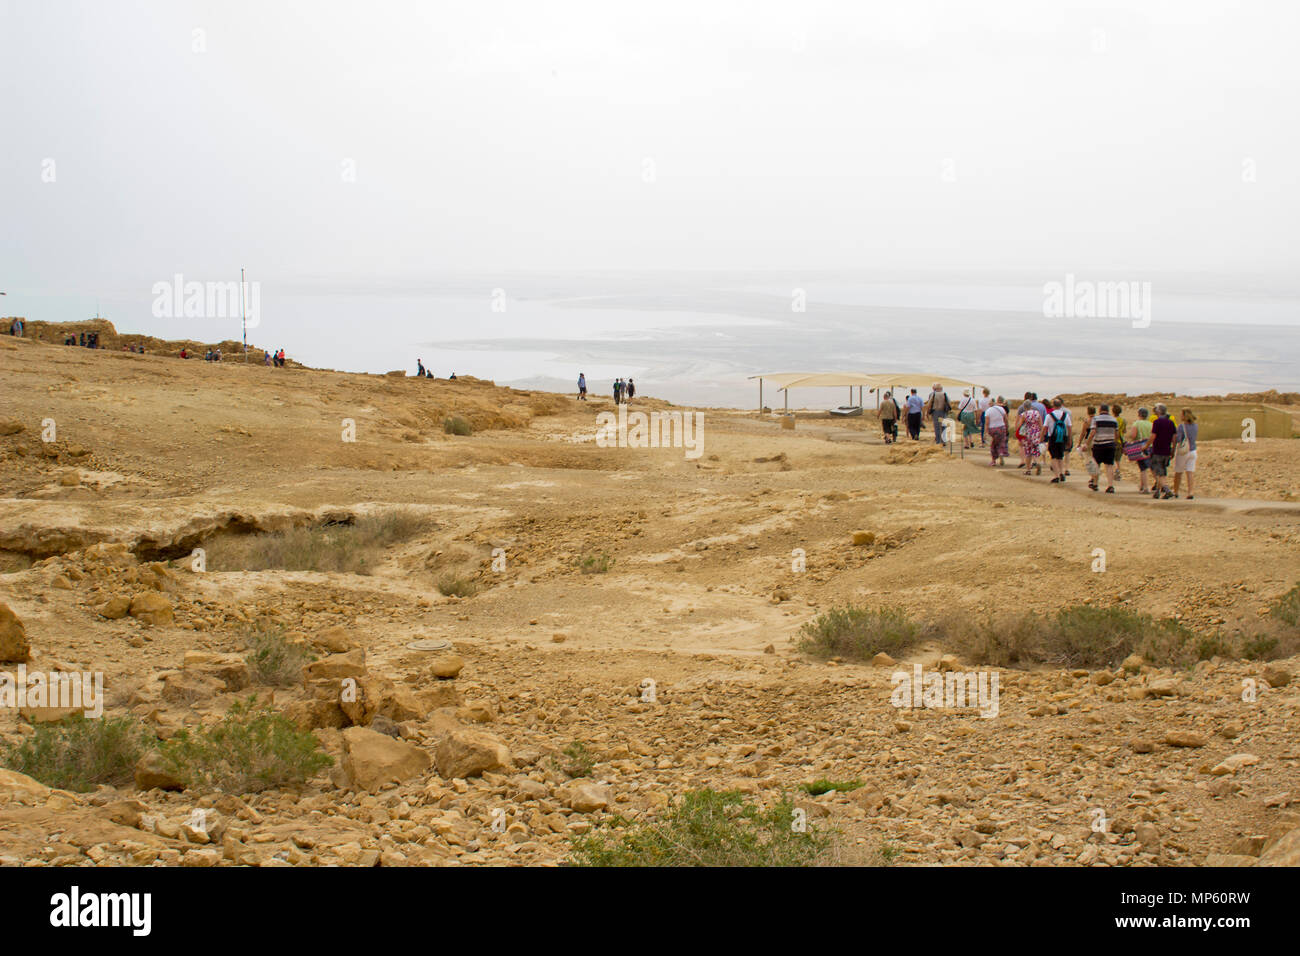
(676, 668)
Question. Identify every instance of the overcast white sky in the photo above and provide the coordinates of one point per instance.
(1035, 136)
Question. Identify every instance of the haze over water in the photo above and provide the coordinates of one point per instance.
(696, 337)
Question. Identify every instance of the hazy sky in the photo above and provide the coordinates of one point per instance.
(485, 136)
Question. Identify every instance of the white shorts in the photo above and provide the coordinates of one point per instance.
(1184, 462)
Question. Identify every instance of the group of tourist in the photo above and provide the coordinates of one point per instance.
(85, 340)
(1154, 444)
(624, 392)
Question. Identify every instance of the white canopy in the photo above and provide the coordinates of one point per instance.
(921, 381)
(819, 379)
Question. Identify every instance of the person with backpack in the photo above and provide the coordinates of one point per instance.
(582, 387)
(629, 391)
(888, 416)
(937, 407)
(1058, 428)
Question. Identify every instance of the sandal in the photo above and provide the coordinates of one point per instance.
(1110, 490)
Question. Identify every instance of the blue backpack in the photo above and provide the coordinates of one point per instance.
(1060, 430)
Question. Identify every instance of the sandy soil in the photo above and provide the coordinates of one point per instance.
(701, 598)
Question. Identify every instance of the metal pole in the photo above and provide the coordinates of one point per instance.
(243, 320)
(760, 397)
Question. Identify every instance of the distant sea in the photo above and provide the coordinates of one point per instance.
(695, 338)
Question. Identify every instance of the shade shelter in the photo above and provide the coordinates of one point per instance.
(876, 382)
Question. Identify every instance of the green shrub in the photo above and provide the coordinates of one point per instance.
(1002, 643)
(454, 425)
(859, 633)
(354, 548)
(595, 564)
(579, 760)
(252, 748)
(80, 754)
(822, 785)
(889, 853)
(705, 828)
(1287, 607)
(455, 585)
(1213, 645)
(1086, 636)
(1261, 647)
(273, 659)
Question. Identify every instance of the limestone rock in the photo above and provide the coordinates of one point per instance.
(337, 666)
(335, 640)
(469, 753)
(1184, 738)
(151, 607)
(1277, 675)
(372, 759)
(447, 667)
(1285, 852)
(587, 797)
(151, 774)
(14, 645)
(115, 608)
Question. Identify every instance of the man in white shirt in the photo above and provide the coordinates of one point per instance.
(982, 404)
(1056, 429)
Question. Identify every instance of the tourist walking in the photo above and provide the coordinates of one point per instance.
(1117, 412)
(981, 407)
(915, 408)
(1102, 439)
(1161, 442)
(1058, 428)
(1185, 451)
(937, 407)
(1029, 431)
(888, 415)
(995, 418)
(582, 387)
(967, 415)
(630, 391)
(1137, 449)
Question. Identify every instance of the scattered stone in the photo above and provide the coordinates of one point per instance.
(1277, 676)
(115, 608)
(447, 667)
(1185, 738)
